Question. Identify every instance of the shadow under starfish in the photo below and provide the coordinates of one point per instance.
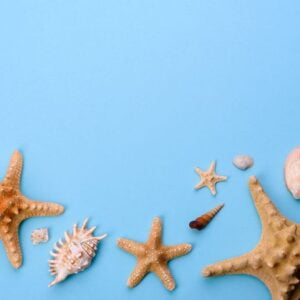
(15, 208)
(276, 259)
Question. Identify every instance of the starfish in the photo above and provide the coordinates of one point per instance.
(276, 258)
(15, 208)
(209, 178)
(152, 256)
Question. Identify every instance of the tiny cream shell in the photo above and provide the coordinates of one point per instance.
(39, 236)
(292, 172)
(75, 253)
(243, 162)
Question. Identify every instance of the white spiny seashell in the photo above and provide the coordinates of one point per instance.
(74, 254)
(292, 172)
(243, 162)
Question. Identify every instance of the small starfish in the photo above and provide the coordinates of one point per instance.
(15, 208)
(276, 258)
(209, 178)
(152, 256)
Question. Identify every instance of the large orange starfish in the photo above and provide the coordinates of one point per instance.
(15, 208)
(152, 256)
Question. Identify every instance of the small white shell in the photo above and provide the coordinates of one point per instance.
(292, 172)
(39, 236)
(243, 162)
(74, 254)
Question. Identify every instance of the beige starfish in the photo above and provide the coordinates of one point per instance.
(152, 256)
(276, 258)
(209, 178)
(15, 208)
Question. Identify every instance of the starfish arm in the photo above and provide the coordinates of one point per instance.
(155, 233)
(219, 178)
(30, 208)
(139, 272)
(171, 252)
(10, 239)
(199, 171)
(14, 171)
(252, 263)
(164, 274)
(265, 208)
(212, 167)
(131, 247)
(235, 265)
(199, 185)
(212, 188)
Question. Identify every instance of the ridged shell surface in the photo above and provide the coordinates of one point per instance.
(202, 221)
(74, 254)
(292, 172)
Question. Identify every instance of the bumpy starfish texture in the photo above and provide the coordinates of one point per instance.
(152, 256)
(209, 178)
(15, 208)
(276, 258)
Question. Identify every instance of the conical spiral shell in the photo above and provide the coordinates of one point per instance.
(292, 172)
(203, 220)
(74, 254)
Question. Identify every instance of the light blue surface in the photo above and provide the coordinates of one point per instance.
(113, 103)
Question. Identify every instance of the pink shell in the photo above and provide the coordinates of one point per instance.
(292, 172)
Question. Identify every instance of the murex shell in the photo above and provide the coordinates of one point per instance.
(292, 172)
(75, 253)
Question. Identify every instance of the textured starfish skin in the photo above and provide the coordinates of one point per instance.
(209, 178)
(15, 208)
(152, 256)
(276, 258)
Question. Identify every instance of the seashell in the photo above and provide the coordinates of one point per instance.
(243, 162)
(292, 172)
(39, 236)
(203, 220)
(74, 254)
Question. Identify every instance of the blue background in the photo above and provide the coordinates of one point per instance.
(113, 104)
